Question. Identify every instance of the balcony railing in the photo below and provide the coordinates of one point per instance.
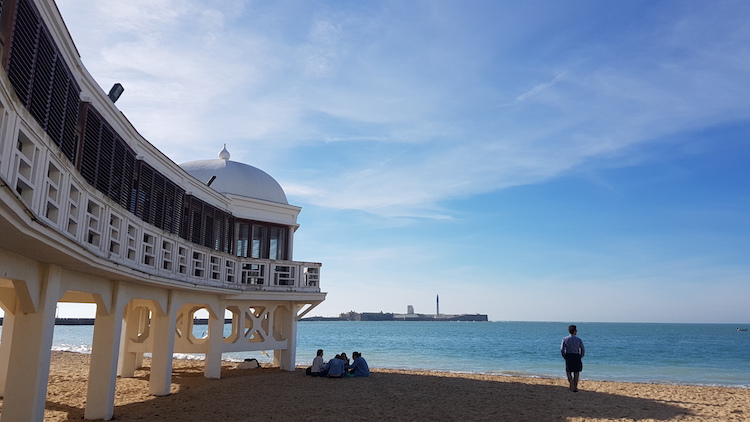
(54, 191)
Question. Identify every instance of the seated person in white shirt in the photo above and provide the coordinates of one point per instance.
(318, 368)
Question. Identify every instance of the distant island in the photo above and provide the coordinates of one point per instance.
(67, 321)
(388, 316)
(408, 316)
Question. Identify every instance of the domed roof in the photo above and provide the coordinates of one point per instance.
(235, 178)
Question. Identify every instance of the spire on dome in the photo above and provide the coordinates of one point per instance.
(224, 154)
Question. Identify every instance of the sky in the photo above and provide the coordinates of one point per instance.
(533, 161)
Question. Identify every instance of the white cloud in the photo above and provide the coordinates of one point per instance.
(535, 91)
(197, 77)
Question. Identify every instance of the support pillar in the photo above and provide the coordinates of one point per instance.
(132, 322)
(285, 322)
(161, 359)
(30, 352)
(215, 346)
(100, 396)
(144, 331)
(5, 342)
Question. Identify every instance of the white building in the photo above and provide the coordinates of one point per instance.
(90, 212)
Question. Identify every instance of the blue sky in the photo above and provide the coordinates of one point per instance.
(540, 160)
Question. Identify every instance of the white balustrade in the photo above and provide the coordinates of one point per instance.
(55, 193)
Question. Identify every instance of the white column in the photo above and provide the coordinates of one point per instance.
(8, 301)
(215, 345)
(275, 326)
(285, 322)
(30, 352)
(128, 361)
(161, 355)
(5, 342)
(100, 397)
(144, 331)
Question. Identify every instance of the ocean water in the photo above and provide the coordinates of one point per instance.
(701, 354)
(705, 354)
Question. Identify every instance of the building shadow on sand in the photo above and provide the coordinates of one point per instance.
(272, 394)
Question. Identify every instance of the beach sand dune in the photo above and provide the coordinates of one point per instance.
(391, 395)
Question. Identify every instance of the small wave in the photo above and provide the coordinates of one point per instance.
(521, 374)
(188, 356)
(72, 348)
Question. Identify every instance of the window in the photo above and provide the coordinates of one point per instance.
(276, 245)
(259, 242)
(243, 238)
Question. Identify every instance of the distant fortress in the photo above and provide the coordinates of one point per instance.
(408, 316)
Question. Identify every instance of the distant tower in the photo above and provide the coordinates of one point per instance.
(410, 309)
(437, 304)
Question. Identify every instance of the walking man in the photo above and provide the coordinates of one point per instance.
(572, 351)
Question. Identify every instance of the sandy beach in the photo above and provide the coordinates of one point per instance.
(397, 395)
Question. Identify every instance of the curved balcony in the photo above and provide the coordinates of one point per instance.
(55, 195)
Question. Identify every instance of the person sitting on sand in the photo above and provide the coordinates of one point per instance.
(572, 351)
(336, 367)
(359, 367)
(345, 358)
(318, 368)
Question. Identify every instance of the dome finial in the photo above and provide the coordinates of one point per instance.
(224, 154)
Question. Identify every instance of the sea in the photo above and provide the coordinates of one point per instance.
(687, 354)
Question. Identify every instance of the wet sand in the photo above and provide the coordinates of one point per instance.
(394, 395)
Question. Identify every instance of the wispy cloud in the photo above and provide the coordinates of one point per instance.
(534, 92)
(197, 76)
